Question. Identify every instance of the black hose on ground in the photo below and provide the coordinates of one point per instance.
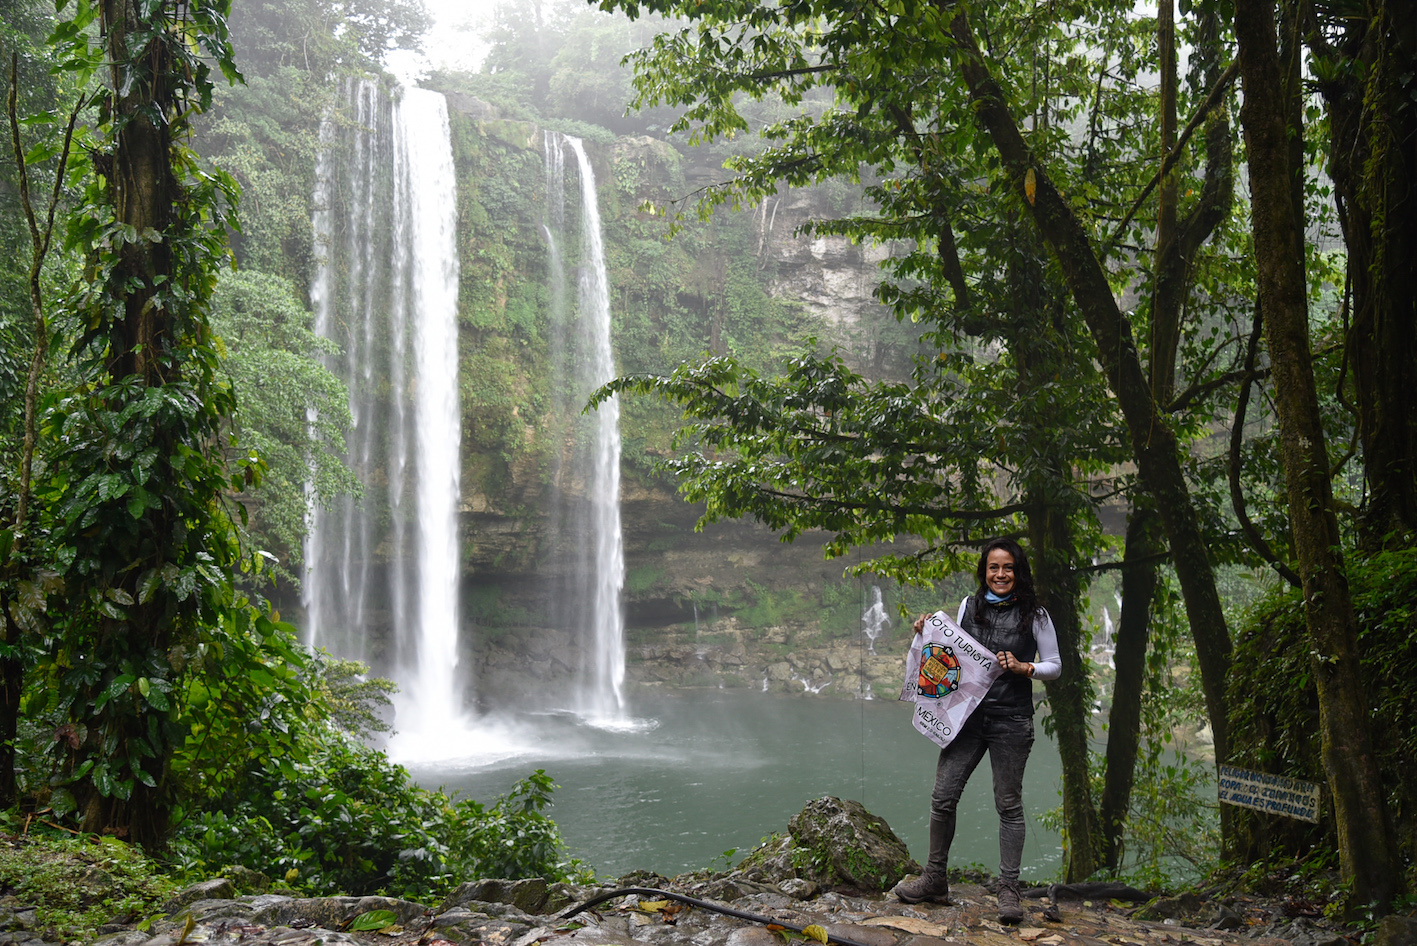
(693, 902)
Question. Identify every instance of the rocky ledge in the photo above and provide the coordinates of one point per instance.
(527, 913)
(825, 877)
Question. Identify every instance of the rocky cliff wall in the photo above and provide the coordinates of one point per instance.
(754, 597)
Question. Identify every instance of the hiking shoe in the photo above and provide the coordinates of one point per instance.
(1010, 909)
(932, 887)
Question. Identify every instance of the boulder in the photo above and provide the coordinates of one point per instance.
(246, 879)
(798, 889)
(1396, 931)
(218, 888)
(528, 896)
(838, 843)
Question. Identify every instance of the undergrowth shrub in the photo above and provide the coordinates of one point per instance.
(1275, 709)
(78, 884)
(350, 822)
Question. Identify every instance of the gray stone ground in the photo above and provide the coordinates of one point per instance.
(823, 872)
(526, 913)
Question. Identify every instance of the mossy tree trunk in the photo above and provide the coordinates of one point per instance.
(1368, 854)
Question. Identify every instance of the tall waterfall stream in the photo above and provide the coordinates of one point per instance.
(386, 288)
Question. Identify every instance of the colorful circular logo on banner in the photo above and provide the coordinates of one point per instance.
(939, 671)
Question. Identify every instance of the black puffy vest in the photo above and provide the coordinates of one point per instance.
(1000, 627)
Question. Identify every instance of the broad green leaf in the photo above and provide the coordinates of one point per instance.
(373, 920)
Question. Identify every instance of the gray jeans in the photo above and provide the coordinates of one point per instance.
(1008, 740)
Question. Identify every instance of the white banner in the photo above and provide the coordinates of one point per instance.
(946, 675)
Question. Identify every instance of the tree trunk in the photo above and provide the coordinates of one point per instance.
(1154, 444)
(1034, 339)
(12, 678)
(1054, 553)
(1372, 154)
(144, 192)
(1180, 236)
(1368, 856)
(1139, 581)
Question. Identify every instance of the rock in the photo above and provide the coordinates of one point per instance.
(642, 878)
(1331, 940)
(562, 896)
(723, 889)
(799, 889)
(125, 938)
(470, 106)
(334, 912)
(840, 844)
(528, 896)
(206, 911)
(246, 879)
(865, 935)
(1227, 919)
(1171, 908)
(1396, 930)
(523, 135)
(218, 888)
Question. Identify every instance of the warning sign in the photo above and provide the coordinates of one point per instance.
(1272, 794)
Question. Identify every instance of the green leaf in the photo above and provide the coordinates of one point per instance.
(373, 920)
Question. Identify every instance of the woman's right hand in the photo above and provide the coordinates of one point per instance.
(920, 623)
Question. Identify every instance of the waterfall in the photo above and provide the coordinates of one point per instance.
(874, 620)
(382, 568)
(584, 520)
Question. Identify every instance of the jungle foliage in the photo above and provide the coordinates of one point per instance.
(971, 120)
(149, 392)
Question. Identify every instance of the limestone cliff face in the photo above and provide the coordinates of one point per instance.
(726, 605)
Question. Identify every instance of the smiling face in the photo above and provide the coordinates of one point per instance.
(999, 572)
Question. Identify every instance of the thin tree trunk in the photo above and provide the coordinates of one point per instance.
(1365, 841)
(1050, 535)
(1139, 581)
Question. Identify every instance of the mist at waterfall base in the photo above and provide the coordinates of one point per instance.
(725, 768)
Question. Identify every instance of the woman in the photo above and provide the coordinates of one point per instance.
(1005, 616)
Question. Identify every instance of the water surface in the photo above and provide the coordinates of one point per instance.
(704, 771)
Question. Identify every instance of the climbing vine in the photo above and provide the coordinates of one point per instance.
(138, 478)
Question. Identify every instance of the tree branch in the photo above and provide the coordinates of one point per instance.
(1210, 102)
(1237, 437)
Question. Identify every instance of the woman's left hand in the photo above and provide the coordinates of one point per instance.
(1012, 664)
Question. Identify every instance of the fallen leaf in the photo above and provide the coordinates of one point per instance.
(372, 920)
(1029, 933)
(815, 932)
